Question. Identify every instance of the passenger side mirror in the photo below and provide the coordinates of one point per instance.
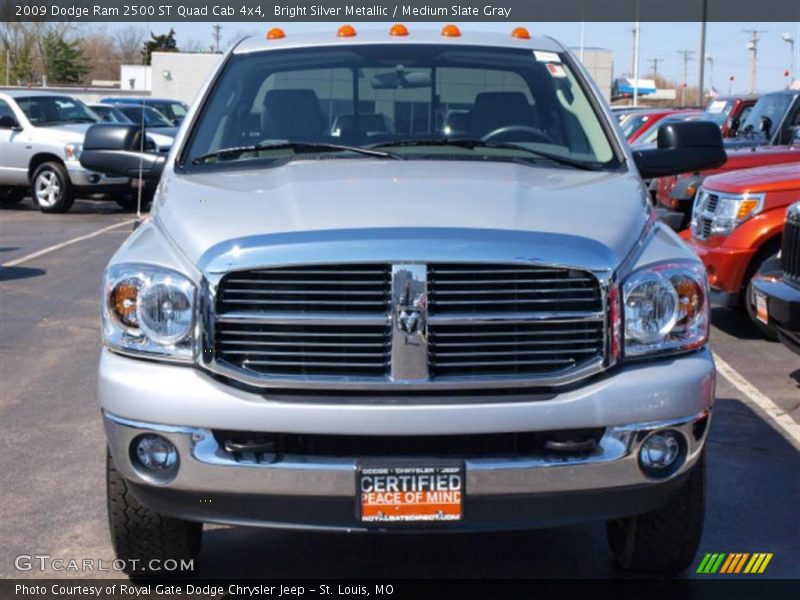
(9, 122)
(117, 149)
(682, 147)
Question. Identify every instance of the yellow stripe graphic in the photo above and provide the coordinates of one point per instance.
(765, 563)
(758, 562)
(752, 563)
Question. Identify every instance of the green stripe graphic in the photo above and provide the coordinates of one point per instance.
(711, 562)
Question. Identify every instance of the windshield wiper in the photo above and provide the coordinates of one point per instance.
(309, 147)
(473, 144)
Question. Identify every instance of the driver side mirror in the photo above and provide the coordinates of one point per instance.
(682, 147)
(119, 149)
(9, 122)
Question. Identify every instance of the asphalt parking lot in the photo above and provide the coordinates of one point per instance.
(52, 442)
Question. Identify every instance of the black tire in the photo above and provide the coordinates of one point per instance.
(11, 195)
(51, 188)
(765, 255)
(663, 541)
(140, 535)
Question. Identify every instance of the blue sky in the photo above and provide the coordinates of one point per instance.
(725, 43)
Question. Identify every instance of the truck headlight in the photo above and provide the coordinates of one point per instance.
(723, 212)
(665, 309)
(73, 151)
(149, 310)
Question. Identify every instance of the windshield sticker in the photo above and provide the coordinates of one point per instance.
(556, 70)
(717, 106)
(547, 57)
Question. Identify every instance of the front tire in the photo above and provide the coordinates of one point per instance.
(51, 189)
(665, 540)
(140, 535)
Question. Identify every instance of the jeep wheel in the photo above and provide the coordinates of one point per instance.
(11, 195)
(665, 540)
(139, 534)
(52, 189)
(765, 260)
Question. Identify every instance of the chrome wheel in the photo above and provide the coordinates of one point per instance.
(48, 189)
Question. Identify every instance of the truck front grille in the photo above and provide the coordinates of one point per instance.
(408, 326)
(704, 213)
(790, 249)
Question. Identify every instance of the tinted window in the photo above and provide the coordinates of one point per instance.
(53, 110)
(5, 110)
(381, 94)
(771, 106)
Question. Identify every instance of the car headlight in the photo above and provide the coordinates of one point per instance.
(665, 309)
(719, 214)
(73, 151)
(149, 310)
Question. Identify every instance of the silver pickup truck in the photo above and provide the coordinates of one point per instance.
(468, 320)
(41, 138)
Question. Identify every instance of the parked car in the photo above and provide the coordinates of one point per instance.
(159, 129)
(737, 224)
(174, 110)
(769, 135)
(729, 112)
(649, 135)
(160, 138)
(41, 138)
(776, 289)
(638, 123)
(338, 332)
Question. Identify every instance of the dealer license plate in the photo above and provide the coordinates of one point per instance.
(760, 300)
(402, 494)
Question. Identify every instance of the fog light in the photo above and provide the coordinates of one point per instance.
(156, 453)
(660, 452)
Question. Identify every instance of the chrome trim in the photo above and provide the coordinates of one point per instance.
(793, 213)
(206, 467)
(409, 345)
(208, 317)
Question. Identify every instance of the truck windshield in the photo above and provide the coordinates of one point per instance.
(771, 106)
(407, 99)
(55, 110)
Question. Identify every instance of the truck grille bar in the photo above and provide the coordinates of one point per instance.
(408, 326)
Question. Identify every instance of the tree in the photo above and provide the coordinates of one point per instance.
(128, 43)
(159, 43)
(64, 60)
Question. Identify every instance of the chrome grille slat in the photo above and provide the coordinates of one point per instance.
(338, 324)
(790, 250)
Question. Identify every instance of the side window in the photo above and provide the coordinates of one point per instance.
(5, 110)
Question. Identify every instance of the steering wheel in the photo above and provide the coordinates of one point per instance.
(539, 135)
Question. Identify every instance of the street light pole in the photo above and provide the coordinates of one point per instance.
(787, 37)
(701, 85)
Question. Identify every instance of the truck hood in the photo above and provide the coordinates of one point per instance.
(67, 134)
(365, 209)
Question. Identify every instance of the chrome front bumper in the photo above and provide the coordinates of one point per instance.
(207, 468)
(82, 178)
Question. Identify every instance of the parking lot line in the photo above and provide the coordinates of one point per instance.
(779, 418)
(49, 249)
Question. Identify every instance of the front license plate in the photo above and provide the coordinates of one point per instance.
(402, 494)
(762, 314)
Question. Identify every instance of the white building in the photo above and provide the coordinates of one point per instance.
(179, 75)
(135, 78)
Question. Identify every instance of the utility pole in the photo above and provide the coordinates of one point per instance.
(8, 65)
(636, 65)
(701, 86)
(710, 61)
(687, 56)
(654, 62)
(217, 29)
(752, 46)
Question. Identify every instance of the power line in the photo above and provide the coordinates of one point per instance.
(654, 62)
(687, 56)
(217, 29)
(752, 46)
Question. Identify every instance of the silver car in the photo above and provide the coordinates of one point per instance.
(41, 138)
(405, 330)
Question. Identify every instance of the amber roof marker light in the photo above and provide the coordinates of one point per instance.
(275, 33)
(521, 33)
(398, 30)
(451, 31)
(346, 31)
